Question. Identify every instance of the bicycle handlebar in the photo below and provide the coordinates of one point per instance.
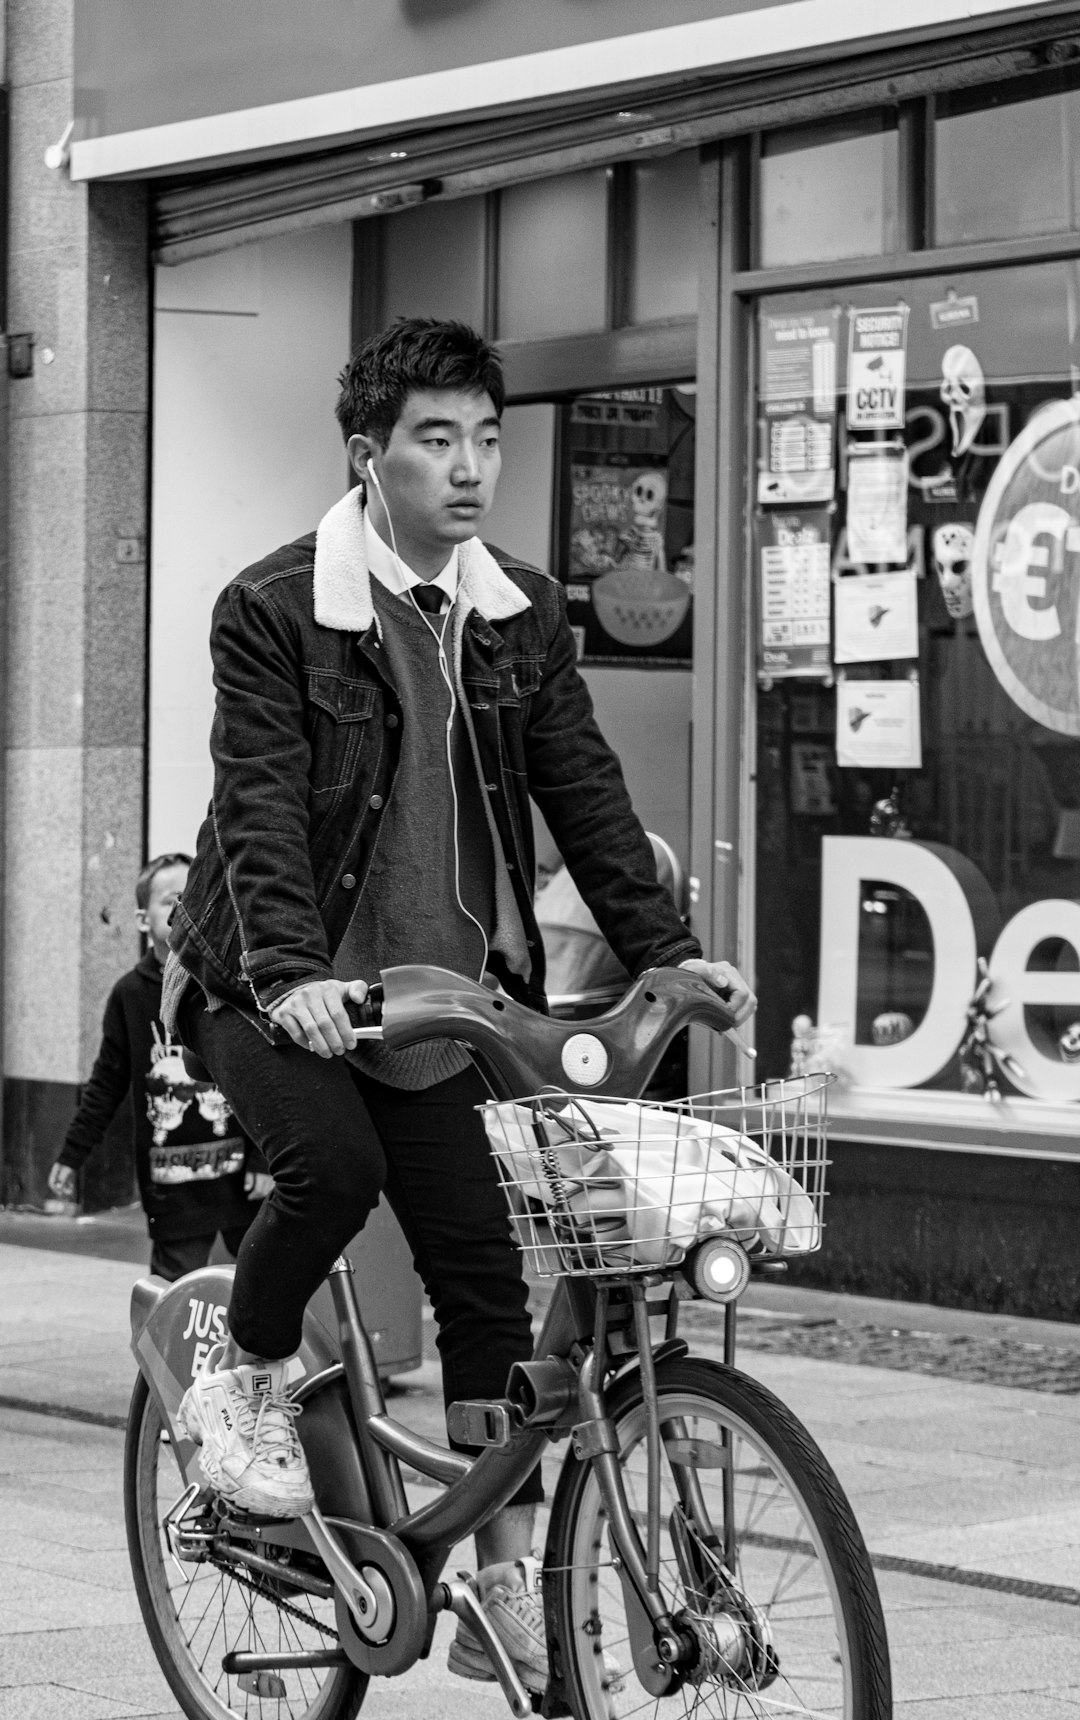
(524, 1052)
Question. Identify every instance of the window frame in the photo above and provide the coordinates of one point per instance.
(934, 1123)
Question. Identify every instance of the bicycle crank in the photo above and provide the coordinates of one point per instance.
(381, 1607)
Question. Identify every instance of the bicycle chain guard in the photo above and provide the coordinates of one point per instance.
(389, 1572)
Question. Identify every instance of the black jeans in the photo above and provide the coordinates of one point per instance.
(183, 1254)
(334, 1139)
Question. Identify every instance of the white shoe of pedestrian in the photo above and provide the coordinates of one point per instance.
(242, 1418)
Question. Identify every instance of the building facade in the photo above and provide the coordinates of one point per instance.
(789, 300)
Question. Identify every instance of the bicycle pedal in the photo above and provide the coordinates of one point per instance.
(237, 1519)
(477, 1421)
(267, 1686)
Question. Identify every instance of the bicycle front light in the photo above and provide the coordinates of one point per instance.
(718, 1269)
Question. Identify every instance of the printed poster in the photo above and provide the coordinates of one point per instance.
(812, 765)
(797, 396)
(877, 725)
(621, 594)
(795, 599)
(877, 368)
(877, 492)
(877, 617)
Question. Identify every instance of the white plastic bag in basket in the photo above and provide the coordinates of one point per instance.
(675, 1189)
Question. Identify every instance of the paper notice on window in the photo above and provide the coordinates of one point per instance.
(877, 617)
(877, 725)
(877, 504)
(877, 368)
(797, 403)
(794, 554)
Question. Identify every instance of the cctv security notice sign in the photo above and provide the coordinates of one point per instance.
(877, 368)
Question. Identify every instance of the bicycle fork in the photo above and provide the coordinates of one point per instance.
(659, 1648)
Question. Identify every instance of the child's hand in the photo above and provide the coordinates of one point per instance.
(62, 1182)
(257, 1184)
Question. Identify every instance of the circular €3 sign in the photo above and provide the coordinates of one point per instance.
(1026, 568)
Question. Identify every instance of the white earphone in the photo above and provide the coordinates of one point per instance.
(439, 635)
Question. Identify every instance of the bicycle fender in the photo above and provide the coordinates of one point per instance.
(670, 1349)
(173, 1330)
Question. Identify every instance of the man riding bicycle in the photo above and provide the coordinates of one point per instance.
(390, 693)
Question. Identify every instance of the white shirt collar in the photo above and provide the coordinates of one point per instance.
(395, 575)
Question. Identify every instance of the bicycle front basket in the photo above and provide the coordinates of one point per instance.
(604, 1185)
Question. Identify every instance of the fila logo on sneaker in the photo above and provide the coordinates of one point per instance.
(260, 1382)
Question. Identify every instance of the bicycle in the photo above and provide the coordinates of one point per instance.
(701, 1556)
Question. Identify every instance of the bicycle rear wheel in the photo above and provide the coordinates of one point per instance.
(760, 1559)
(196, 1612)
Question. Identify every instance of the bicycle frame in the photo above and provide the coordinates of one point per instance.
(385, 1560)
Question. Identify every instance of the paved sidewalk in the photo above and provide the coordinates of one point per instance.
(947, 1478)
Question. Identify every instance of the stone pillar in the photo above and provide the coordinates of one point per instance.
(75, 699)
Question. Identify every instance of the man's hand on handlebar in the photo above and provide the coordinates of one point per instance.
(315, 1016)
(729, 982)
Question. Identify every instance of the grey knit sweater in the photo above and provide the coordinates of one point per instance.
(407, 909)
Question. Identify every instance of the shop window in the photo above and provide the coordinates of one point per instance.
(1007, 170)
(553, 256)
(626, 523)
(829, 191)
(434, 261)
(664, 276)
(916, 561)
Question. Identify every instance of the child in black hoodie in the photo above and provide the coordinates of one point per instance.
(192, 1161)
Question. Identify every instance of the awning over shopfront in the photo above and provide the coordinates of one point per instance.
(255, 138)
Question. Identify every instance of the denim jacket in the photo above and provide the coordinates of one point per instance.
(305, 744)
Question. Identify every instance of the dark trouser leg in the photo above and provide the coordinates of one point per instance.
(308, 1119)
(318, 1124)
(235, 1234)
(182, 1254)
(442, 1186)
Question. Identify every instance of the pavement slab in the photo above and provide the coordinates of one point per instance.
(940, 1470)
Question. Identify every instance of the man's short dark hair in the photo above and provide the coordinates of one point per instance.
(160, 863)
(413, 353)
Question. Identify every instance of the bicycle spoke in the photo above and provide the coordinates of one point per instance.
(769, 1646)
(214, 1607)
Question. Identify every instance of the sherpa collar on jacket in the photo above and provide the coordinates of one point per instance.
(343, 584)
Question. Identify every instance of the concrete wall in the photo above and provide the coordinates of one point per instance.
(247, 455)
(74, 695)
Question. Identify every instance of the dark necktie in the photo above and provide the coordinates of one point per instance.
(429, 598)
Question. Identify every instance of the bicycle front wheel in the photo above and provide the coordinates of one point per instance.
(198, 1610)
(761, 1563)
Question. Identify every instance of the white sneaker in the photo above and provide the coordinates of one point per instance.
(513, 1604)
(243, 1420)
